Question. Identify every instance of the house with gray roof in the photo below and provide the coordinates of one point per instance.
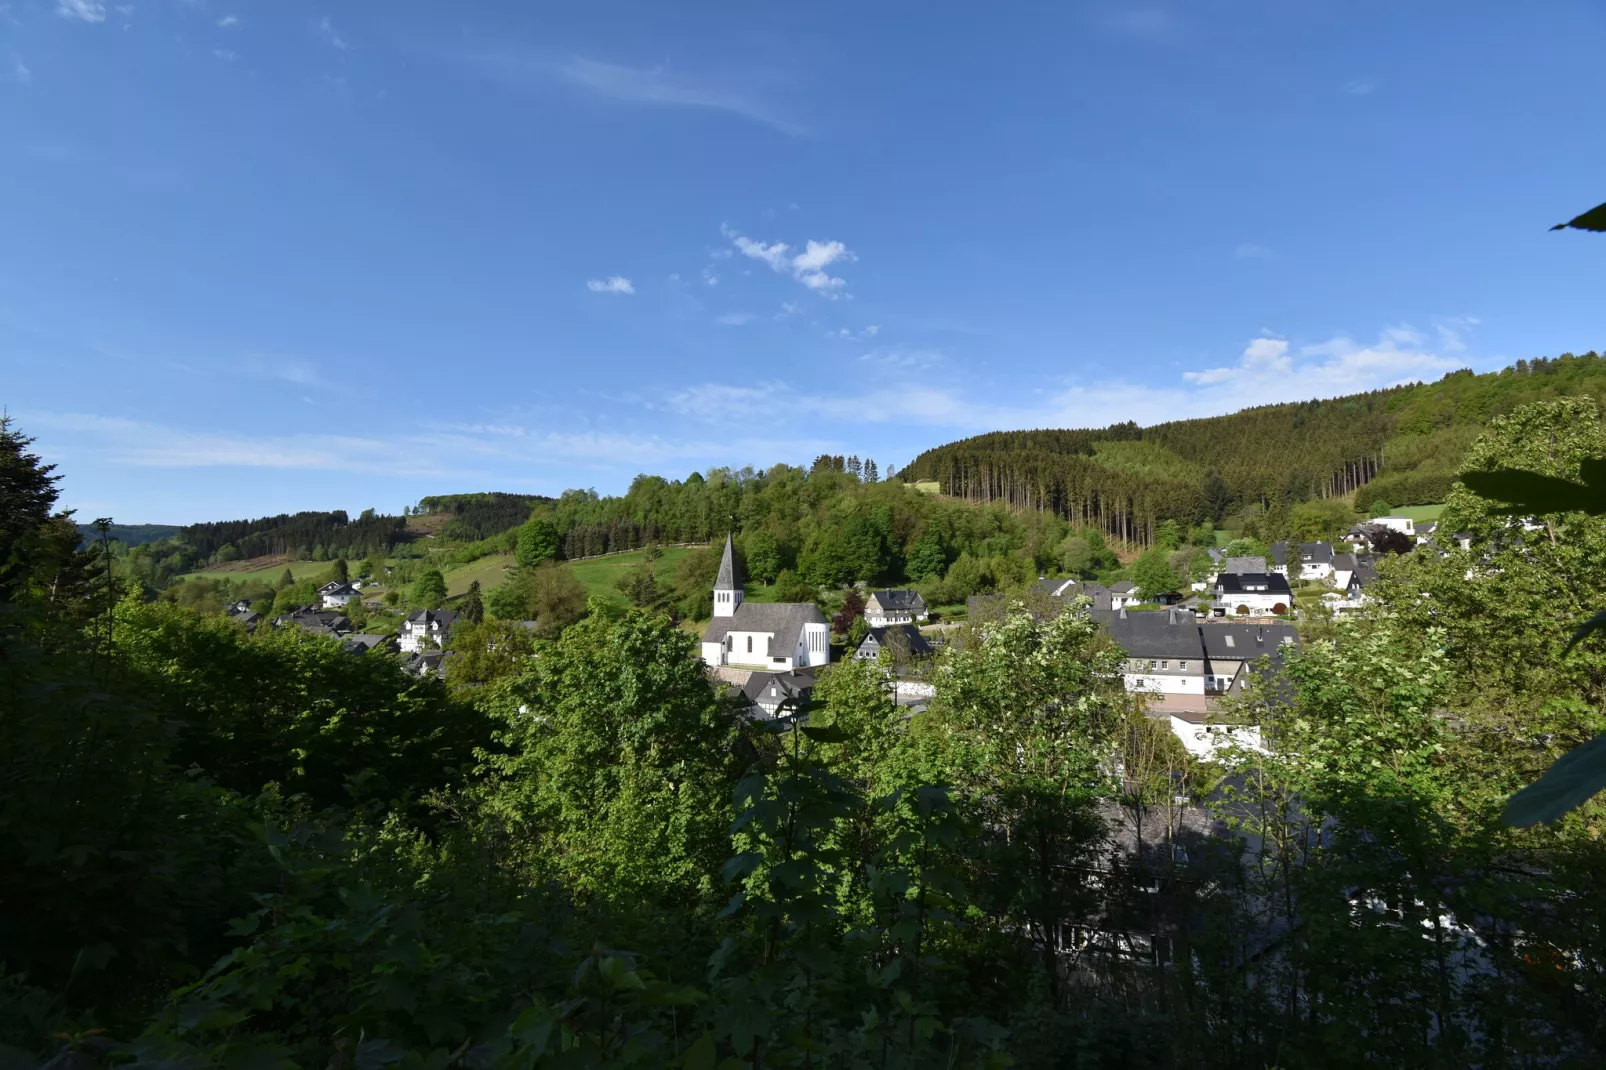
(766, 693)
(885, 608)
(1123, 594)
(1240, 565)
(1068, 589)
(772, 636)
(1232, 651)
(315, 621)
(904, 636)
(426, 628)
(1252, 595)
(1164, 654)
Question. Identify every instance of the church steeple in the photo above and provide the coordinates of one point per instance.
(728, 584)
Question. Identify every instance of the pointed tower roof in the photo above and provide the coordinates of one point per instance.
(727, 580)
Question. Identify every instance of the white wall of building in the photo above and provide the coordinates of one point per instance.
(1161, 684)
(1203, 740)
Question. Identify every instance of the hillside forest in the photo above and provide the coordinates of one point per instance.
(233, 848)
(1383, 449)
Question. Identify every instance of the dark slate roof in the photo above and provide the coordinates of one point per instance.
(1317, 553)
(1427, 527)
(784, 620)
(1240, 583)
(1153, 633)
(1057, 588)
(919, 646)
(361, 643)
(333, 586)
(1124, 587)
(728, 580)
(798, 684)
(445, 617)
(1344, 562)
(1246, 564)
(317, 621)
(1279, 553)
(1240, 642)
(1365, 573)
(909, 600)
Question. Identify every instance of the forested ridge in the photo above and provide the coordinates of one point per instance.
(1400, 446)
(253, 849)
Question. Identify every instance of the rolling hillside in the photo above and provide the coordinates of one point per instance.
(1400, 446)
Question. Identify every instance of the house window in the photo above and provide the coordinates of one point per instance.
(1182, 665)
(750, 644)
(1165, 665)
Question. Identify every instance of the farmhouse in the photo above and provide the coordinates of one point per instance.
(770, 636)
(336, 593)
(903, 636)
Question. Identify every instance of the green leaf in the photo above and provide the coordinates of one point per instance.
(1576, 776)
(701, 1054)
(1594, 219)
(1584, 630)
(1532, 493)
(826, 733)
(740, 865)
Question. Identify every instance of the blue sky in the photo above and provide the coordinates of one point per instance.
(261, 256)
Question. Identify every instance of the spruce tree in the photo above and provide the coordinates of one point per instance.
(473, 608)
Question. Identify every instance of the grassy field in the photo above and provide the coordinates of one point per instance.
(1419, 513)
(261, 568)
(599, 575)
(490, 571)
(927, 486)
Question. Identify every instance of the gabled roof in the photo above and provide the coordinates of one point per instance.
(1246, 564)
(362, 642)
(1124, 587)
(1239, 642)
(728, 578)
(1253, 583)
(773, 688)
(1057, 588)
(1365, 573)
(1279, 554)
(444, 617)
(1317, 553)
(906, 600)
(1153, 633)
(877, 638)
(783, 620)
(1343, 562)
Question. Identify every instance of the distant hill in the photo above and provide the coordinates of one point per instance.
(479, 516)
(131, 534)
(1400, 446)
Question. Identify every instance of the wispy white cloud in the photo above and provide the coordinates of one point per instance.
(225, 54)
(228, 22)
(1452, 331)
(662, 87)
(806, 266)
(1359, 87)
(20, 71)
(899, 357)
(616, 284)
(329, 35)
(82, 10)
(735, 319)
(1251, 251)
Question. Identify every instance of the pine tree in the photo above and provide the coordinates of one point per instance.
(871, 475)
(473, 609)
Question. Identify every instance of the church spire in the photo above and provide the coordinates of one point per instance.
(728, 584)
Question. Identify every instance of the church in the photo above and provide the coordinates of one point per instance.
(756, 635)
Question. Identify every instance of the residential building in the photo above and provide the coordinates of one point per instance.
(1343, 569)
(771, 636)
(1402, 524)
(425, 629)
(1231, 650)
(1100, 595)
(315, 621)
(336, 593)
(906, 636)
(1164, 654)
(362, 643)
(1251, 594)
(767, 692)
(1237, 566)
(1123, 594)
(884, 608)
(1315, 560)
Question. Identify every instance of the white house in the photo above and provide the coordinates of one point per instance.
(1123, 594)
(1164, 654)
(336, 593)
(1402, 524)
(884, 609)
(773, 636)
(426, 628)
(1249, 594)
